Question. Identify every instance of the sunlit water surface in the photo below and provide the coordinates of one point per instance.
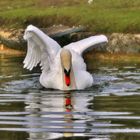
(110, 110)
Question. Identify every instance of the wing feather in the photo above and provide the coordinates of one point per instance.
(82, 45)
(41, 49)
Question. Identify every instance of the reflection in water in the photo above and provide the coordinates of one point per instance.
(42, 105)
(68, 106)
(107, 111)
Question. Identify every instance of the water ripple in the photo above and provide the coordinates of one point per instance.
(109, 110)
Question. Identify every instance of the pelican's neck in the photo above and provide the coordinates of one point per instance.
(67, 70)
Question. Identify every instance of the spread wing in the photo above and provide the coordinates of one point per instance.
(85, 44)
(41, 49)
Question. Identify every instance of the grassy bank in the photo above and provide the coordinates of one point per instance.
(89, 57)
(102, 16)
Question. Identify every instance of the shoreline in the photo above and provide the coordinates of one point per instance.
(8, 51)
(91, 55)
(119, 43)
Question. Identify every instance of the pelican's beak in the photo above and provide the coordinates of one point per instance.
(67, 77)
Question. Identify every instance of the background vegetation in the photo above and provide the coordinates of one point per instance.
(104, 16)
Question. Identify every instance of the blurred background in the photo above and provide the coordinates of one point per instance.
(100, 16)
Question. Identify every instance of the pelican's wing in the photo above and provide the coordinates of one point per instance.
(41, 48)
(82, 45)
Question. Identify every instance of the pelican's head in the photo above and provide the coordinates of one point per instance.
(66, 61)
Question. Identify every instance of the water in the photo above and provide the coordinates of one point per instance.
(107, 111)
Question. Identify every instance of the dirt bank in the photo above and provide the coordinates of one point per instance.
(118, 42)
(124, 43)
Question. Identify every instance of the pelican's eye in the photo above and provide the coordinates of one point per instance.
(67, 72)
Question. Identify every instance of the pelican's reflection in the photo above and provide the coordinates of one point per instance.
(55, 115)
(51, 115)
(68, 100)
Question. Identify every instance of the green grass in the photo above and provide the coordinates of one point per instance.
(104, 16)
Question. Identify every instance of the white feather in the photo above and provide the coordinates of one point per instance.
(40, 48)
(82, 45)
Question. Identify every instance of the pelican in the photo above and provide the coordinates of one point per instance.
(90, 1)
(62, 68)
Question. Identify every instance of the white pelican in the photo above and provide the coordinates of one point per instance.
(62, 68)
(90, 1)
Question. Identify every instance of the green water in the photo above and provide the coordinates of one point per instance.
(107, 111)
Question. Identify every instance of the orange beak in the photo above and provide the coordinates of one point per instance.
(67, 77)
(67, 80)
